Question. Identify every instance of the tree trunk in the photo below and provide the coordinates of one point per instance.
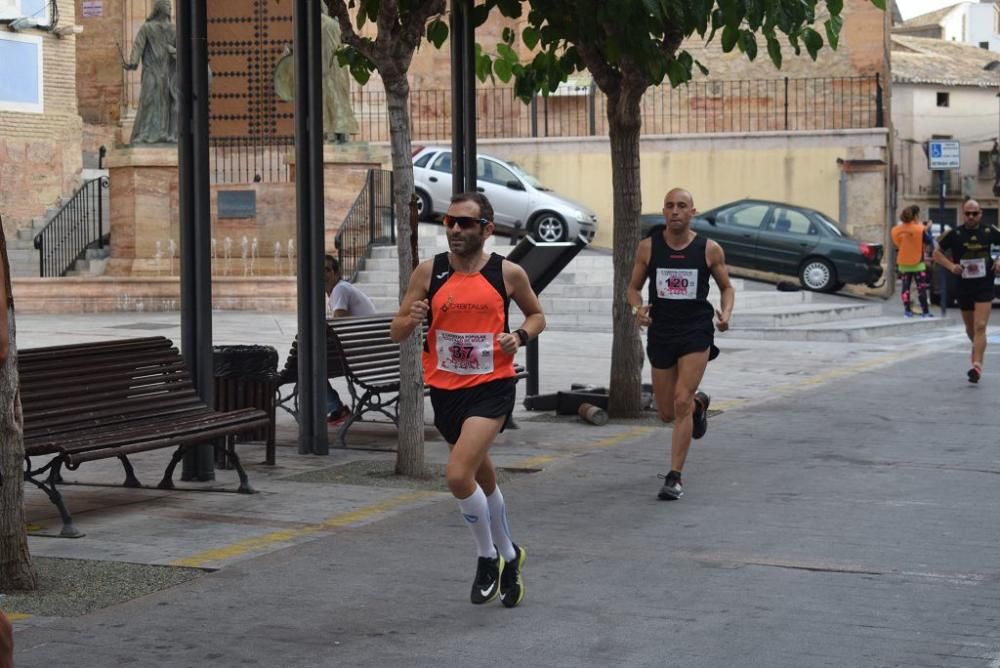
(624, 123)
(16, 570)
(410, 455)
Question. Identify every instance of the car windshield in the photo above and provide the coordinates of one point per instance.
(532, 181)
(830, 226)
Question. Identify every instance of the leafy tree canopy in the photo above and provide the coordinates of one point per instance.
(641, 39)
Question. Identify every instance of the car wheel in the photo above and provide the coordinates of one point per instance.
(423, 205)
(549, 227)
(817, 274)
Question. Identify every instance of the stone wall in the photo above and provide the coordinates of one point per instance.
(802, 168)
(99, 67)
(40, 153)
(145, 208)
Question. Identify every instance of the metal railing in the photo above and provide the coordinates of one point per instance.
(371, 221)
(77, 226)
(756, 105)
(828, 103)
(250, 159)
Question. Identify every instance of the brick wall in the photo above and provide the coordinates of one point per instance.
(40, 153)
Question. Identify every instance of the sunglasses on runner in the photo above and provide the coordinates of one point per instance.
(973, 213)
(464, 222)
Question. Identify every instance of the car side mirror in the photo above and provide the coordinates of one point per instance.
(514, 184)
(710, 219)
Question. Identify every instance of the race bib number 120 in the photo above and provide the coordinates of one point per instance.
(464, 354)
(676, 283)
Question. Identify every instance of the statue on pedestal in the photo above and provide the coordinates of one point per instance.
(338, 116)
(155, 47)
(339, 122)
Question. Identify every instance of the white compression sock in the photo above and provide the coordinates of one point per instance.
(498, 523)
(476, 512)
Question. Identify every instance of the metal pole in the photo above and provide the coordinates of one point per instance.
(879, 111)
(309, 214)
(469, 93)
(531, 366)
(534, 115)
(195, 221)
(458, 52)
(592, 108)
(945, 275)
(786, 103)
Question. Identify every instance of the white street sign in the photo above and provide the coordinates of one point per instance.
(943, 154)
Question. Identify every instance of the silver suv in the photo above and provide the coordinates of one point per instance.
(520, 202)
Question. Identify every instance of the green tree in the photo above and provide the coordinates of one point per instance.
(629, 46)
(400, 26)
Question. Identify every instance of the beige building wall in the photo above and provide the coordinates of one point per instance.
(40, 152)
(798, 168)
(971, 118)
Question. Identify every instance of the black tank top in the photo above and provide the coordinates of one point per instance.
(678, 288)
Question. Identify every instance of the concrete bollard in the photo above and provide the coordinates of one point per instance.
(593, 414)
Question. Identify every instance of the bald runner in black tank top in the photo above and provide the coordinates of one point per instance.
(678, 297)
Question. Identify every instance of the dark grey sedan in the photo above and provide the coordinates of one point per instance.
(785, 239)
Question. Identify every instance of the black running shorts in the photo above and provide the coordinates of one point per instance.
(490, 400)
(663, 354)
(974, 292)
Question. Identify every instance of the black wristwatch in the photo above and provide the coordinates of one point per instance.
(523, 335)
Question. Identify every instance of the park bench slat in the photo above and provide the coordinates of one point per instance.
(73, 424)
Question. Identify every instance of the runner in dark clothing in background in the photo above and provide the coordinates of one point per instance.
(971, 259)
(676, 261)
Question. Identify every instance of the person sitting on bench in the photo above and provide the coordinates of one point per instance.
(345, 299)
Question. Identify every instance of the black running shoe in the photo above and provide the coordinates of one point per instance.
(511, 585)
(486, 586)
(974, 374)
(672, 488)
(701, 402)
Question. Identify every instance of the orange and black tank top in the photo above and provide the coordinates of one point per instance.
(468, 312)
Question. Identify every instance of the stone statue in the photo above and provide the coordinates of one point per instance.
(338, 116)
(339, 121)
(156, 48)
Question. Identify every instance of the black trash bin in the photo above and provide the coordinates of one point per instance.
(246, 377)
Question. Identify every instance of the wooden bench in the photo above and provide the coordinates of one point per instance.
(370, 362)
(93, 401)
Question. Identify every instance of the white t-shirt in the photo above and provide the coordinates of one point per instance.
(348, 298)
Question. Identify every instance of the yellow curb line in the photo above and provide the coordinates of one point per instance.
(532, 462)
(17, 616)
(258, 543)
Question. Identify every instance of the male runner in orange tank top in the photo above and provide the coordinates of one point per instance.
(469, 366)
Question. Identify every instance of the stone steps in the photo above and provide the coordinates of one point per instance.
(24, 239)
(803, 314)
(846, 331)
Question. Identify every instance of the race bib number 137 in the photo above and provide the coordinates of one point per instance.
(465, 354)
(676, 283)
